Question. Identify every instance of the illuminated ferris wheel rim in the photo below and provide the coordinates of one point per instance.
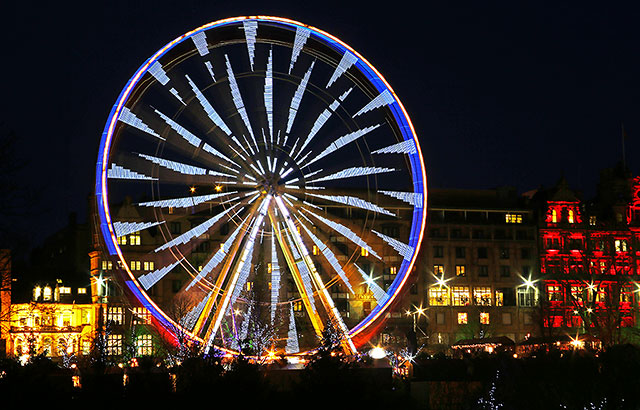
(400, 115)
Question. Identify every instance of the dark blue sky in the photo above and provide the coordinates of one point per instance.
(503, 94)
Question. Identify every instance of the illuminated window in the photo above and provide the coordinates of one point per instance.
(482, 295)
(554, 293)
(499, 298)
(462, 318)
(438, 269)
(269, 268)
(141, 316)
(315, 250)
(364, 252)
(460, 270)
(149, 265)
(393, 270)
(115, 314)
(82, 291)
(114, 345)
(592, 220)
(297, 306)
(484, 318)
(460, 296)
(513, 218)
(46, 293)
(144, 345)
(526, 297)
(122, 240)
(577, 293)
(170, 210)
(570, 218)
(439, 296)
(621, 245)
(134, 238)
(107, 265)
(554, 216)
(249, 286)
(603, 266)
(135, 265)
(64, 290)
(626, 295)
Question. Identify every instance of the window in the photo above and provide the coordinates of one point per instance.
(122, 240)
(438, 251)
(570, 217)
(315, 250)
(482, 295)
(526, 297)
(107, 265)
(114, 345)
(592, 220)
(249, 286)
(440, 318)
(506, 318)
(456, 233)
(554, 216)
(621, 245)
(504, 253)
(460, 295)
(483, 271)
(577, 293)
(460, 270)
(499, 298)
(135, 265)
(438, 296)
(438, 269)
(149, 265)
(478, 234)
(134, 238)
(484, 318)
(144, 345)
(526, 271)
(482, 253)
(141, 316)
(115, 314)
(460, 252)
(363, 251)
(505, 271)
(176, 285)
(174, 227)
(525, 253)
(554, 293)
(513, 218)
(82, 291)
(462, 318)
(64, 290)
(297, 306)
(391, 231)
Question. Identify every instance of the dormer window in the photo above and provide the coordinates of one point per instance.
(570, 217)
(554, 216)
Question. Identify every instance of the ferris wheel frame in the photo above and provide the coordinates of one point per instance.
(362, 331)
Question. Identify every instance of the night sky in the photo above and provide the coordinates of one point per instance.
(499, 95)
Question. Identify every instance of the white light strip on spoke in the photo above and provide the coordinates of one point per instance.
(353, 201)
(341, 142)
(158, 73)
(208, 148)
(175, 166)
(384, 98)
(250, 32)
(310, 174)
(297, 98)
(244, 329)
(237, 98)
(293, 345)
(330, 257)
(208, 108)
(412, 198)
(151, 278)
(403, 249)
(344, 231)
(190, 319)
(404, 147)
(185, 202)
(275, 279)
(125, 228)
(302, 34)
(218, 256)
(182, 131)
(200, 41)
(118, 172)
(130, 118)
(378, 293)
(195, 232)
(177, 95)
(347, 61)
(321, 120)
(353, 172)
(210, 68)
(268, 93)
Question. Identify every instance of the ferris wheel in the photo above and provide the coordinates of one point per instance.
(259, 182)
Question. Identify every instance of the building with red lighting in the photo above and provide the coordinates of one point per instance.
(590, 258)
